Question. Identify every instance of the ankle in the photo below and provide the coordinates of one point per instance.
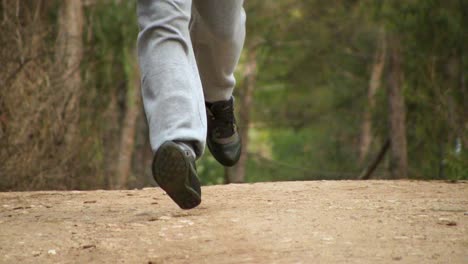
(187, 147)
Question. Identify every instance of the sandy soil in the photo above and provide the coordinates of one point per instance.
(284, 222)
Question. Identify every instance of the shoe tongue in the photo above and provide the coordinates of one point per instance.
(221, 105)
(223, 114)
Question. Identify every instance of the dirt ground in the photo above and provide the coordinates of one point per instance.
(283, 222)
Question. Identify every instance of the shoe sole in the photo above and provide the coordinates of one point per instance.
(172, 170)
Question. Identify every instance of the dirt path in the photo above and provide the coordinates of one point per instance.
(287, 222)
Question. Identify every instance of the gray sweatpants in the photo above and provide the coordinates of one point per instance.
(187, 54)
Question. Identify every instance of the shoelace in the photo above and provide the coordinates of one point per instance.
(222, 120)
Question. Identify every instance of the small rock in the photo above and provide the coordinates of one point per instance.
(327, 238)
(21, 207)
(88, 246)
(90, 202)
(52, 252)
(36, 253)
(146, 213)
(447, 222)
(186, 221)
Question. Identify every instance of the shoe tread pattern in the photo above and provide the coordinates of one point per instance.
(172, 172)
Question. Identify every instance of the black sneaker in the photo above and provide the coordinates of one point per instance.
(175, 172)
(223, 139)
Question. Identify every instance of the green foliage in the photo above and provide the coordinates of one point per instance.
(434, 43)
(209, 170)
(314, 69)
(457, 165)
(109, 43)
(314, 64)
(311, 85)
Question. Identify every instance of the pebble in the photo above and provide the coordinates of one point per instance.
(89, 246)
(185, 221)
(447, 222)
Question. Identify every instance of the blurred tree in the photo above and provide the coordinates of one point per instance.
(69, 53)
(433, 35)
(397, 112)
(132, 110)
(237, 175)
(374, 84)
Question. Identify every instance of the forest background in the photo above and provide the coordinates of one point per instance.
(326, 90)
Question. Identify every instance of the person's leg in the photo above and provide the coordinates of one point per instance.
(172, 97)
(218, 34)
(171, 87)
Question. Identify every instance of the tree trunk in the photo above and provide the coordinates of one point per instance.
(69, 53)
(367, 173)
(250, 75)
(127, 140)
(374, 84)
(229, 173)
(464, 93)
(397, 112)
